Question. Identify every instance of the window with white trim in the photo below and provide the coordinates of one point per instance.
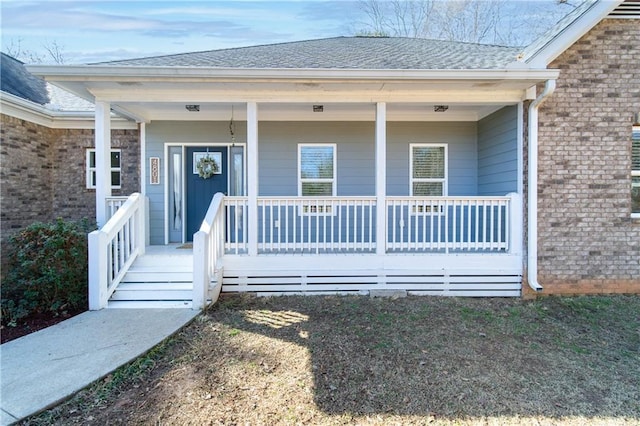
(635, 171)
(428, 170)
(115, 164)
(316, 170)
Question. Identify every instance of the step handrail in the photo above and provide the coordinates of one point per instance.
(113, 249)
(208, 250)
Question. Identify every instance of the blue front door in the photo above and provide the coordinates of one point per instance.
(200, 191)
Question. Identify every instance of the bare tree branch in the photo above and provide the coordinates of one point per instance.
(476, 21)
(53, 52)
(400, 18)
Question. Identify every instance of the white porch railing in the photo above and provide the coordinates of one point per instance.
(348, 224)
(445, 224)
(208, 250)
(316, 225)
(113, 204)
(113, 248)
(236, 215)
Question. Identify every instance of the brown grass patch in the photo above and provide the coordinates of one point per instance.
(356, 360)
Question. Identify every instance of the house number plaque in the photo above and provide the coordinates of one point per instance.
(154, 170)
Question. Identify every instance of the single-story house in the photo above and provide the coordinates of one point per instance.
(355, 164)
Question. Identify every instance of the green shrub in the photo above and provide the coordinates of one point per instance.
(47, 269)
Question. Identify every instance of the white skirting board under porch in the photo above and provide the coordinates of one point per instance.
(443, 275)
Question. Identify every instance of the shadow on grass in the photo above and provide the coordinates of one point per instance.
(342, 360)
(457, 358)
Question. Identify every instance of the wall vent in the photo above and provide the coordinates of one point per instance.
(630, 9)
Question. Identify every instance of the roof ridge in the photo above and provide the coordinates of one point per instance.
(224, 49)
(240, 48)
(342, 52)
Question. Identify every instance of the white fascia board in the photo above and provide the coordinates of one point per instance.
(347, 95)
(132, 74)
(599, 10)
(23, 109)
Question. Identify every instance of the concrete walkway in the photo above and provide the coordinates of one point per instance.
(43, 368)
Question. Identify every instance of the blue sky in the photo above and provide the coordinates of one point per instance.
(92, 31)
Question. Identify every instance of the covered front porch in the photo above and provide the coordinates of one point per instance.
(324, 183)
(465, 246)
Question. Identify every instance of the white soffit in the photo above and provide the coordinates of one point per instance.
(304, 111)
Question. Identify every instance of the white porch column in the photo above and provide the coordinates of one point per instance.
(143, 182)
(103, 160)
(142, 137)
(252, 176)
(381, 178)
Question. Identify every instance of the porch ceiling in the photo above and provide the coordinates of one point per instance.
(303, 111)
(161, 93)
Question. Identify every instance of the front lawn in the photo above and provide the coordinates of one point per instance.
(356, 360)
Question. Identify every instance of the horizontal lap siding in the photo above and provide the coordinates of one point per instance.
(278, 155)
(461, 140)
(356, 155)
(162, 132)
(498, 152)
(355, 141)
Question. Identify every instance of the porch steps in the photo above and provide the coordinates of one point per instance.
(158, 279)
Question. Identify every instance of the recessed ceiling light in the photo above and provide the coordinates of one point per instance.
(192, 108)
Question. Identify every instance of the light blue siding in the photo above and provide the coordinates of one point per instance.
(460, 138)
(355, 141)
(278, 155)
(498, 152)
(162, 132)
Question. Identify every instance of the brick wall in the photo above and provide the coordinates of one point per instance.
(43, 172)
(587, 241)
(71, 198)
(25, 175)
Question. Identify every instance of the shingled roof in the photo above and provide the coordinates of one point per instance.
(391, 53)
(15, 79)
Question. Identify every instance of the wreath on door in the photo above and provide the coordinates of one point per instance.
(207, 167)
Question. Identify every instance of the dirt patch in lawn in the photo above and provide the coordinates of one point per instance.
(356, 360)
